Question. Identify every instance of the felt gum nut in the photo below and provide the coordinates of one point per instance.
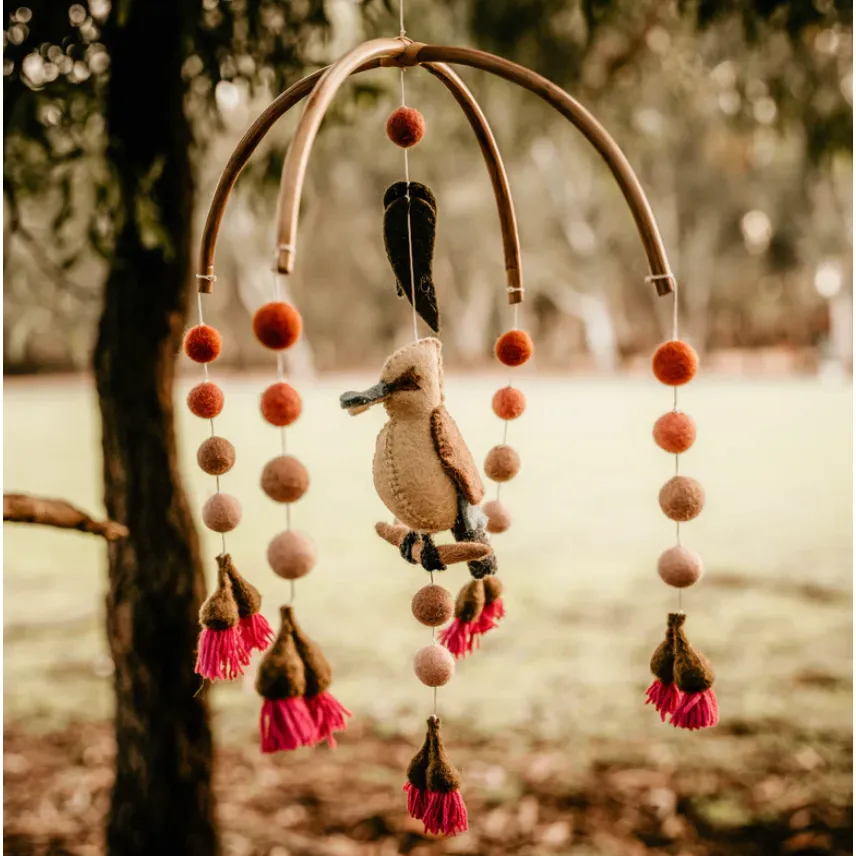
(514, 348)
(434, 665)
(675, 432)
(508, 403)
(277, 325)
(281, 404)
(498, 516)
(285, 479)
(680, 567)
(681, 498)
(674, 363)
(205, 400)
(202, 344)
(502, 464)
(216, 456)
(291, 555)
(405, 127)
(432, 605)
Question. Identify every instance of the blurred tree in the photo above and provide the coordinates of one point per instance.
(117, 87)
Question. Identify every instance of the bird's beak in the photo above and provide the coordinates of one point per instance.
(360, 402)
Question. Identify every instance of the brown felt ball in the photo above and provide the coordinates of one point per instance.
(498, 516)
(514, 348)
(277, 325)
(216, 456)
(501, 464)
(291, 555)
(285, 479)
(508, 403)
(434, 665)
(680, 567)
(405, 127)
(675, 363)
(222, 513)
(433, 605)
(202, 344)
(205, 400)
(675, 432)
(681, 498)
(281, 404)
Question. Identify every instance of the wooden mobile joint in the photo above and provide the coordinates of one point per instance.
(321, 87)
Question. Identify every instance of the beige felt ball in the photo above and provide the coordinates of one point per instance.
(680, 567)
(501, 464)
(285, 479)
(681, 498)
(291, 555)
(222, 513)
(498, 516)
(434, 665)
(216, 456)
(433, 605)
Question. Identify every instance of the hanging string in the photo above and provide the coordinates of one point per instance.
(280, 376)
(675, 409)
(211, 421)
(407, 198)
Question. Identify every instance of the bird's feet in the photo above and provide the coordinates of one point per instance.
(431, 560)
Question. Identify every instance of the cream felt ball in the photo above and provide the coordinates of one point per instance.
(291, 555)
(221, 513)
(434, 665)
(433, 605)
(680, 567)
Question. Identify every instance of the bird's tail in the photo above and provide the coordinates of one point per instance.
(470, 527)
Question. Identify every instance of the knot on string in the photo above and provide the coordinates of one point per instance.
(408, 58)
(665, 283)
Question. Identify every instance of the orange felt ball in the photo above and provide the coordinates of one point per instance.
(202, 344)
(509, 403)
(514, 348)
(675, 432)
(405, 127)
(277, 325)
(281, 404)
(675, 363)
(205, 400)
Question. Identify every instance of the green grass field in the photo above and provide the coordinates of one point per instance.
(585, 605)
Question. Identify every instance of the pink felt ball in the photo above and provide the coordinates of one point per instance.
(680, 567)
(222, 513)
(291, 555)
(434, 665)
(498, 516)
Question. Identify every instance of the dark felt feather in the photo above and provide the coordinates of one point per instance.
(423, 227)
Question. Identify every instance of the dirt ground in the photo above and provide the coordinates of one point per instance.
(532, 800)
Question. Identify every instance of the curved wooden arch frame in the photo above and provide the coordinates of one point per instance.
(284, 102)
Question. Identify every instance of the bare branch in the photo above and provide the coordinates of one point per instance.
(22, 508)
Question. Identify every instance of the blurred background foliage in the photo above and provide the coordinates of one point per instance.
(736, 115)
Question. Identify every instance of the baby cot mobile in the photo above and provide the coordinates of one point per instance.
(423, 470)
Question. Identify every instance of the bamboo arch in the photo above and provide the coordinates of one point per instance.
(322, 86)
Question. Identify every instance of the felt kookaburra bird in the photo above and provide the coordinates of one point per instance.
(423, 471)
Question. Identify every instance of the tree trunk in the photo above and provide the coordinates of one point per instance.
(162, 801)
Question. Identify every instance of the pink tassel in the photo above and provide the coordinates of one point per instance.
(327, 715)
(458, 637)
(221, 654)
(664, 697)
(417, 801)
(445, 813)
(490, 617)
(696, 710)
(285, 725)
(256, 633)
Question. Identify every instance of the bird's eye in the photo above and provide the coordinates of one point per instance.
(408, 381)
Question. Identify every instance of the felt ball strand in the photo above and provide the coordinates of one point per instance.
(683, 685)
(294, 676)
(232, 625)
